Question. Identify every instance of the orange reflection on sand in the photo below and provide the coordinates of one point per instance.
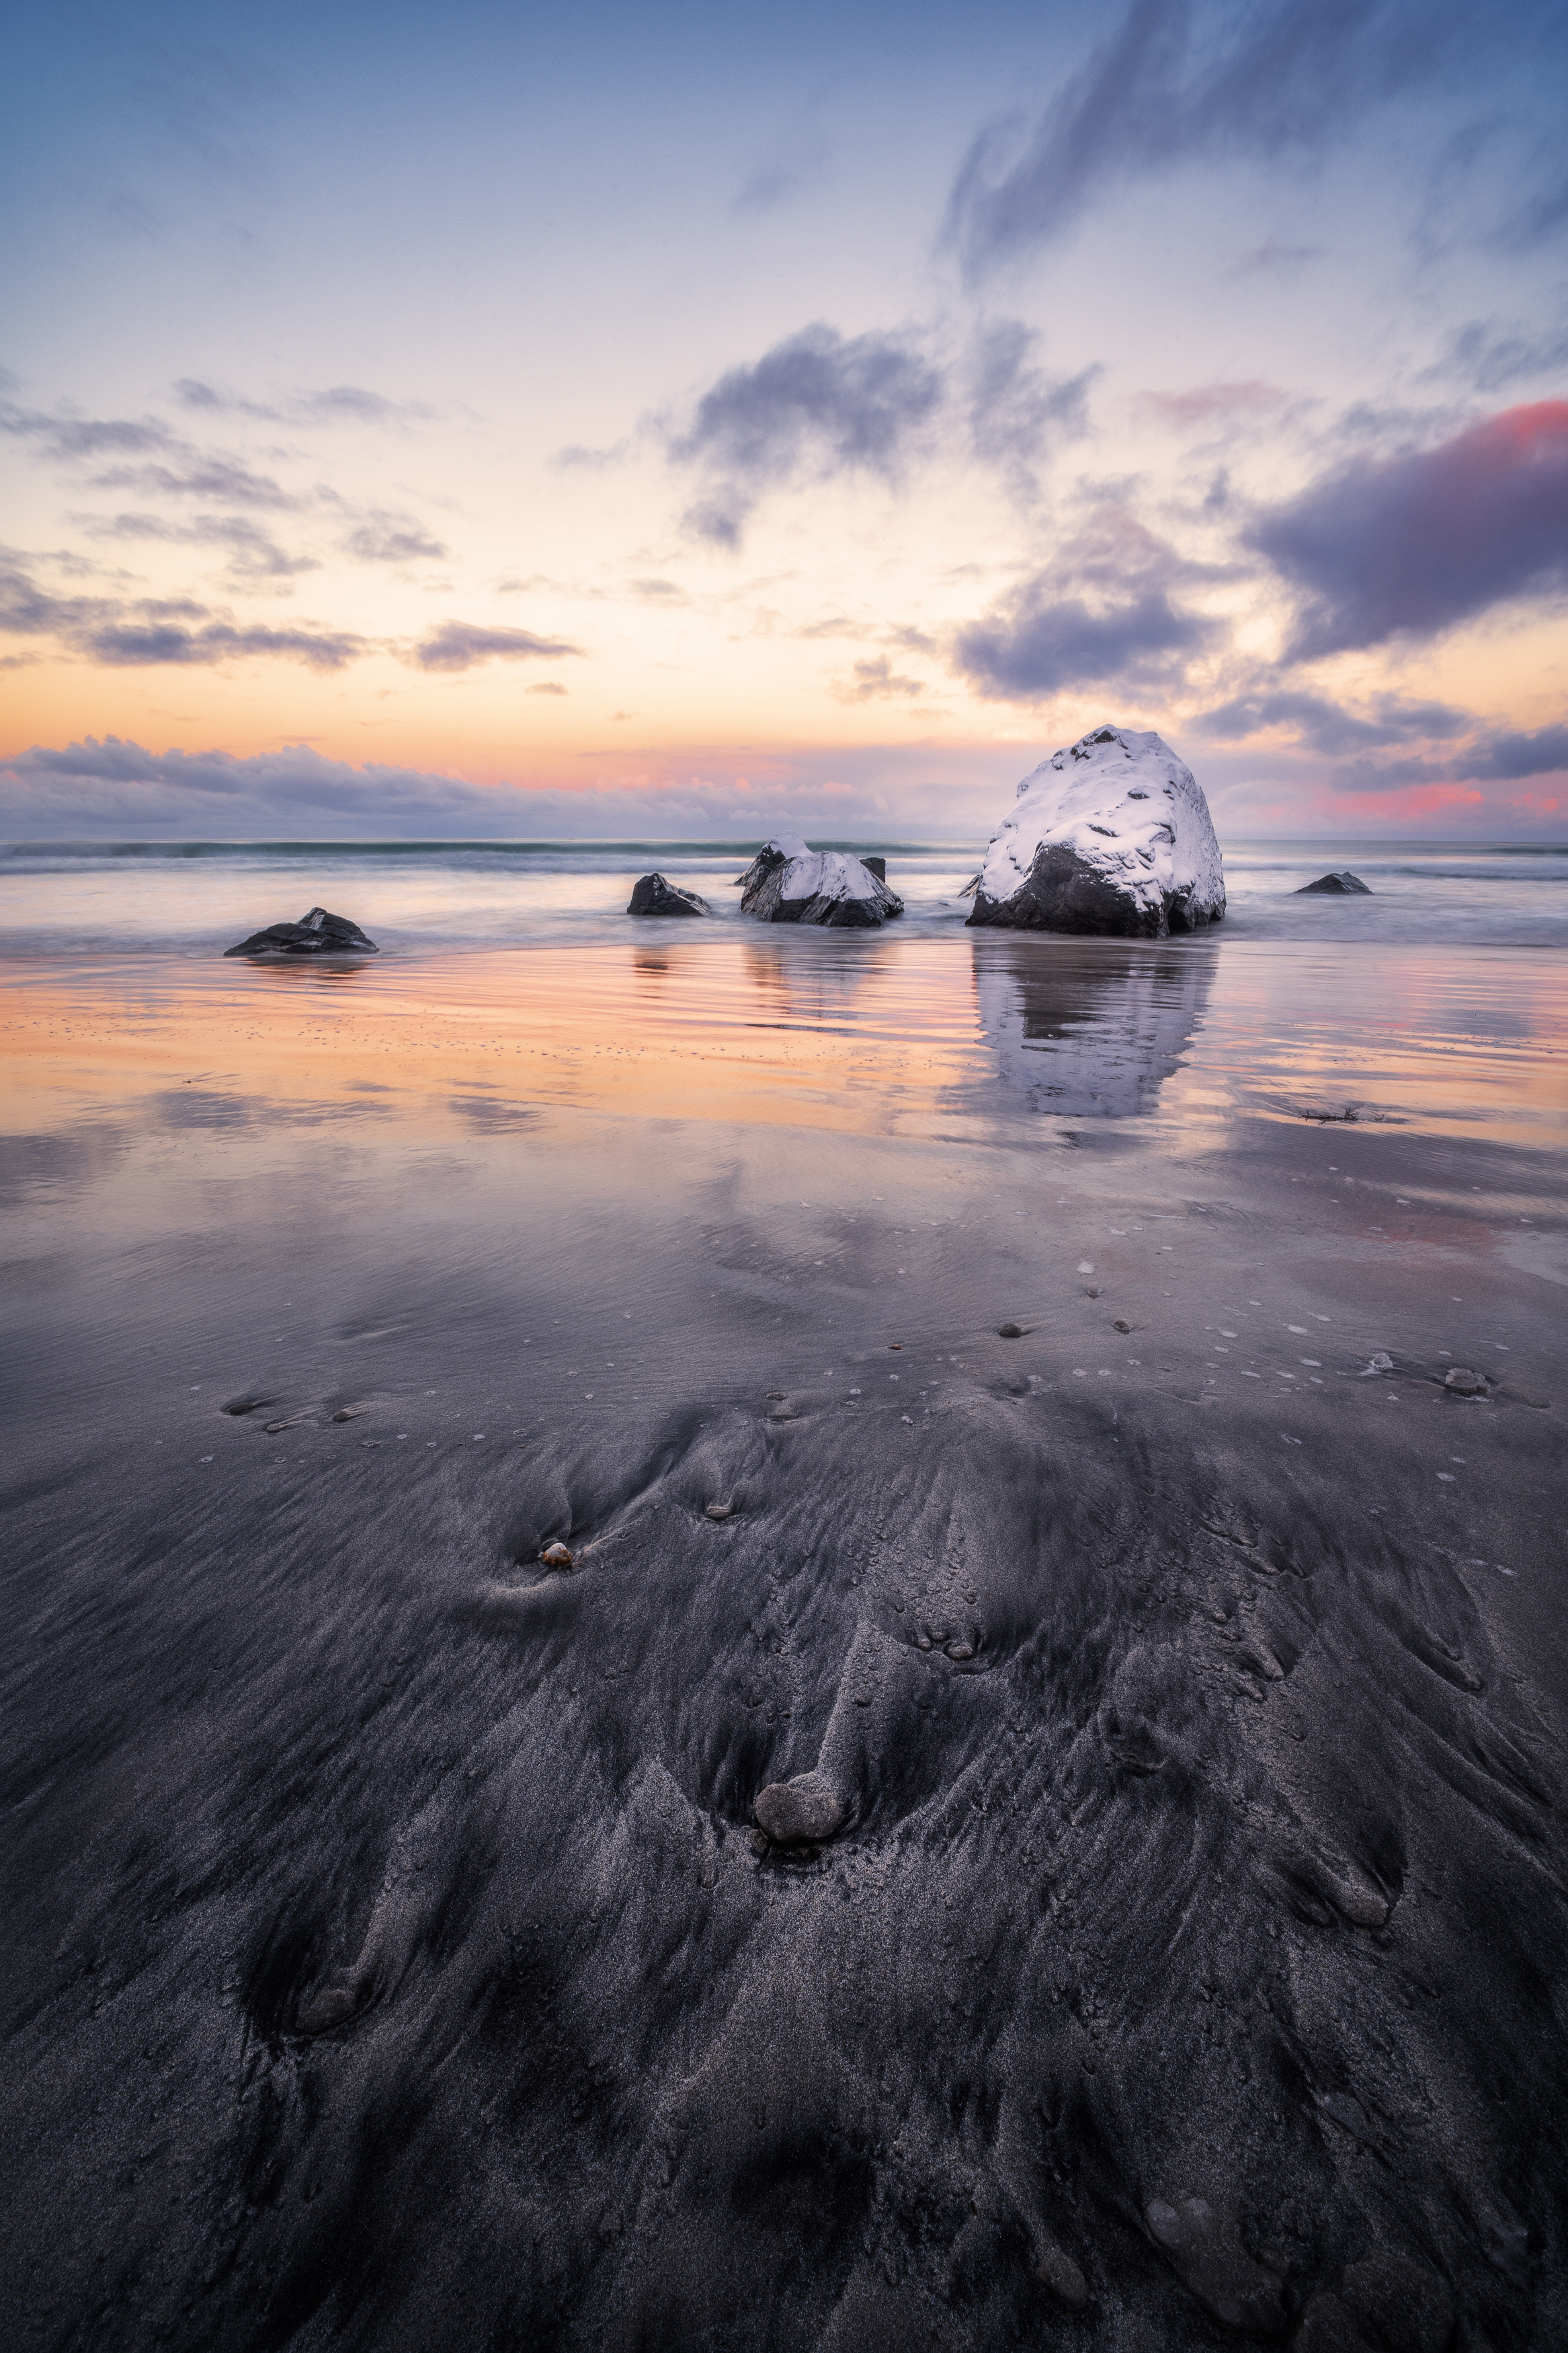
(829, 1032)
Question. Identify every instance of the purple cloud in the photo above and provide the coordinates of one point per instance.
(1410, 545)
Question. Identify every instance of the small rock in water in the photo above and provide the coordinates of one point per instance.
(556, 1555)
(1120, 1326)
(349, 1412)
(317, 933)
(1464, 1382)
(719, 1510)
(1010, 1331)
(798, 1812)
(1381, 1363)
(1343, 885)
(652, 895)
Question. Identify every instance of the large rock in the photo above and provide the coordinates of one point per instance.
(317, 933)
(652, 895)
(1111, 835)
(1343, 885)
(788, 883)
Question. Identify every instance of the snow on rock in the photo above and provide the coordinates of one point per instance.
(1111, 835)
(788, 883)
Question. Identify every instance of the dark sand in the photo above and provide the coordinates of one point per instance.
(391, 1962)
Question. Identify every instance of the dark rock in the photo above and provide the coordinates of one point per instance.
(1120, 1326)
(1009, 1331)
(1343, 885)
(798, 1812)
(788, 883)
(877, 866)
(652, 895)
(317, 933)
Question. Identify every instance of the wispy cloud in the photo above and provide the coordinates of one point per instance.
(877, 680)
(1103, 608)
(1212, 404)
(1290, 76)
(149, 632)
(458, 645)
(1491, 357)
(338, 404)
(1409, 545)
(384, 538)
(1332, 727)
(1014, 408)
(818, 403)
(131, 645)
(253, 555)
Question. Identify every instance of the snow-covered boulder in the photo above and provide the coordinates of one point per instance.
(788, 883)
(1111, 835)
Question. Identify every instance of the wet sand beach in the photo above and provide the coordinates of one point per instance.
(395, 1959)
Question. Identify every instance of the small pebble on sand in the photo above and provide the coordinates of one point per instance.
(556, 1555)
(1010, 1331)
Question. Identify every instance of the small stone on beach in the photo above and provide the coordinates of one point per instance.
(1464, 1382)
(1009, 1331)
(718, 1510)
(1120, 1326)
(556, 1555)
(798, 1812)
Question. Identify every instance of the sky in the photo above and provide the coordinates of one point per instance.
(506, 422)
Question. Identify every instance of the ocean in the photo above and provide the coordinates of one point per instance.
(189, 898)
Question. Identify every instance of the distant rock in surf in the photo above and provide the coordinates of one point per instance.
(1343, 885)
(1113, 835)
(788, 883)
(317, 933)
(652, 895)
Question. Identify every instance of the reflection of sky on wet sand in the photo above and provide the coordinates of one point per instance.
(878, 1035)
